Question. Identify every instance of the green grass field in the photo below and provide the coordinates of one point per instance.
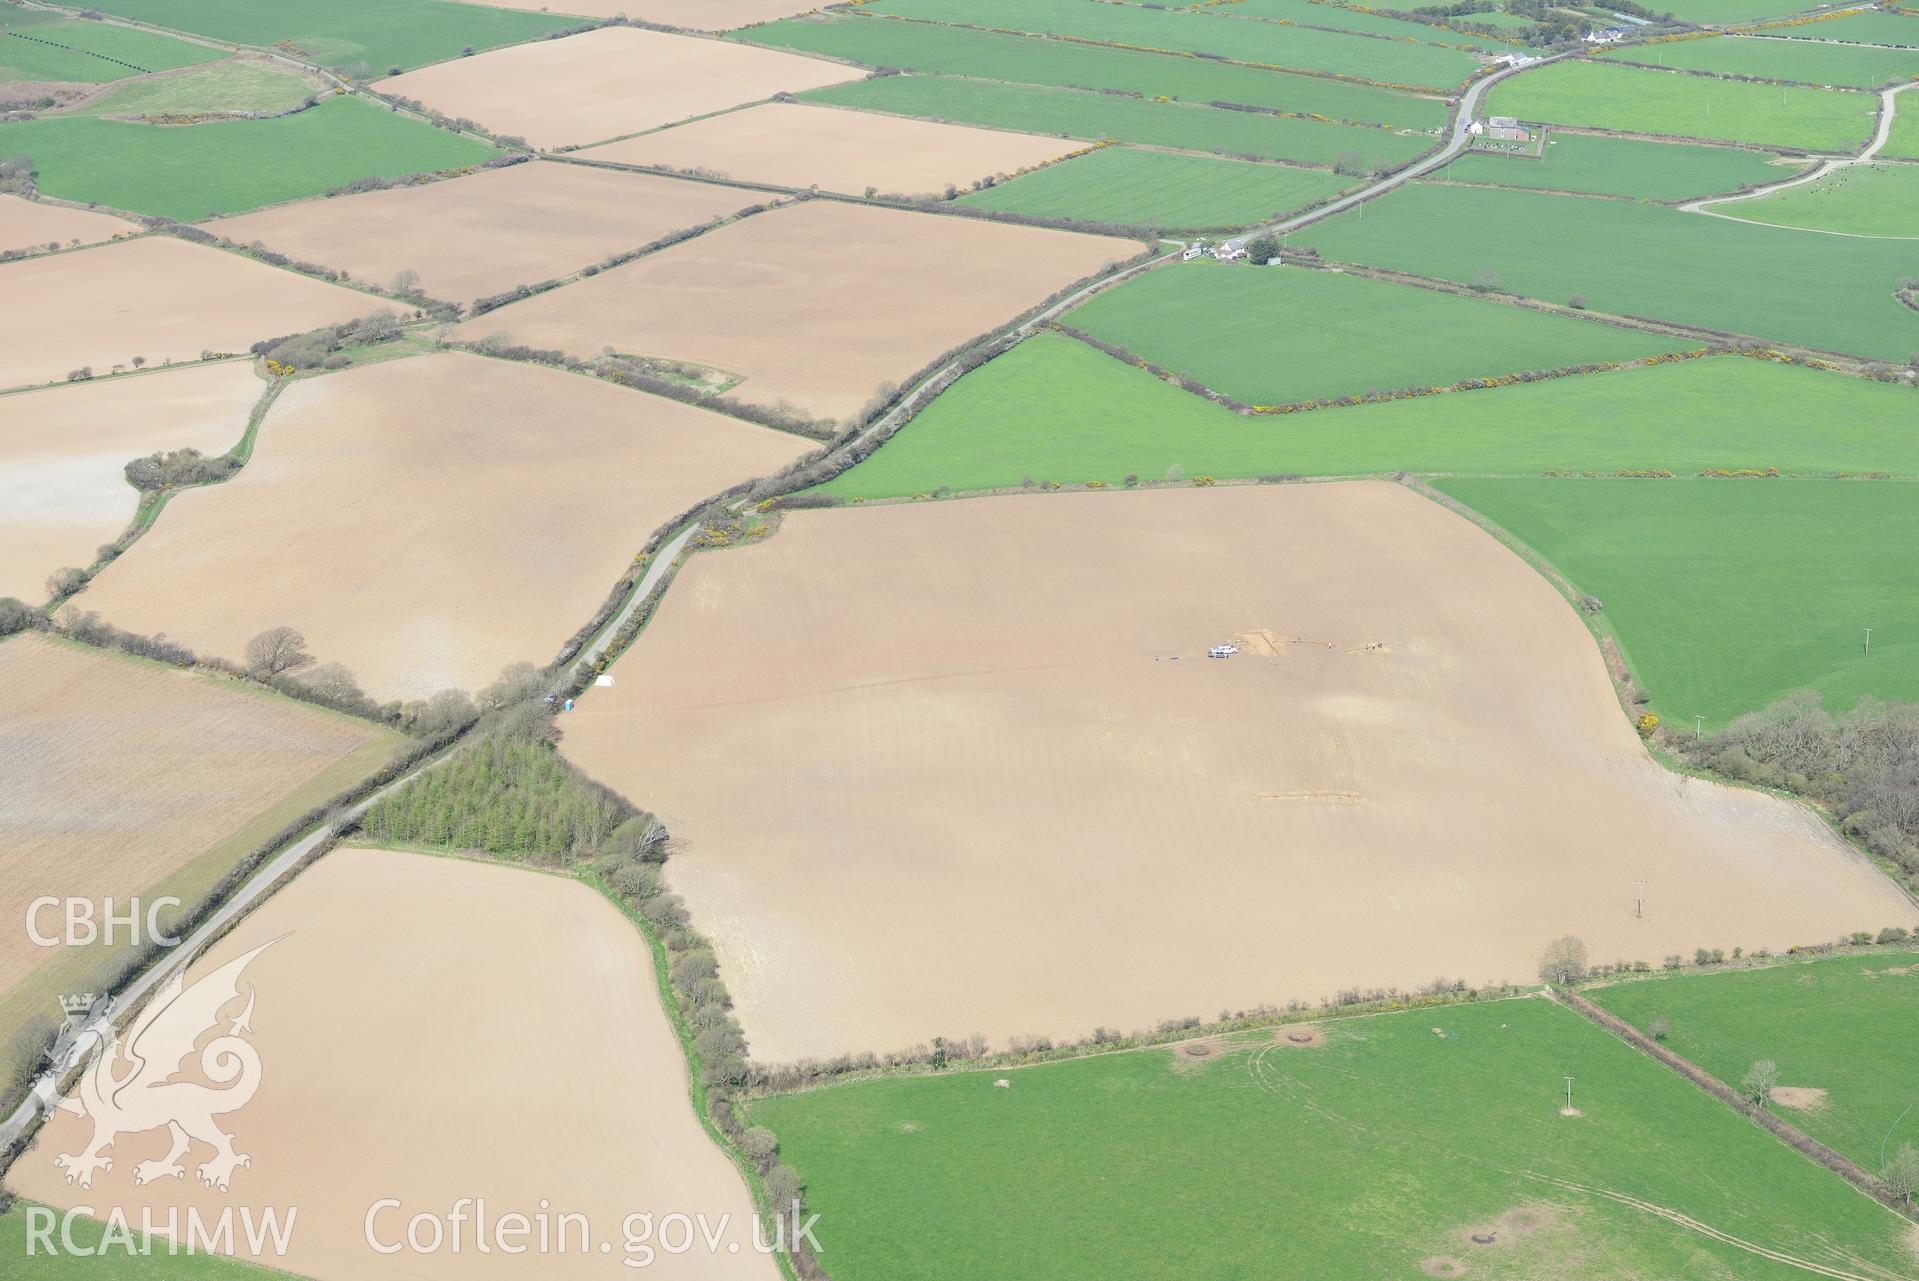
(1827, 292)
(1372, 1155)
(1722, 12)
(1277, 336)
(1301, 48)
(1863, 200)
(1311, 13)
(116, 1263)
(224, 86)
(1161, 189)
(1871, 26)
(188, 172)
(1094, 116)
(361, 37)
(1599, 95)
(1805, 61)
(1729, 594)
(1903, 141)
(922, 46)
(1623, 167)
(1843, 1024)
(1054, 409)
(38, 45)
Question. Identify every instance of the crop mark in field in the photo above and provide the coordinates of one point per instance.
(1873, 1271)
(1264, 642)
(1328, 798)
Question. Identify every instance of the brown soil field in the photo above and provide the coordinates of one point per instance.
(694, 15)
(33, 224)
(119, 776)
(817, 303)
(427, 521)
(1025, 801)
(155, 297)
(608, 82)
(64, 450)
(430, 1030)
(490, 232)
(790, 145)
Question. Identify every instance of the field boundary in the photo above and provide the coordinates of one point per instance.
(1619, 667)
(1804, 1144)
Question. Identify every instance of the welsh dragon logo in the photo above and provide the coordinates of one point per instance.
(130, 1086)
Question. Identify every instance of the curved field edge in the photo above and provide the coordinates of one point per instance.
(1729, 594)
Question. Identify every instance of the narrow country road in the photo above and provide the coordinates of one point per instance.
(656, 570)
(1888, 111)
(45, 1088)
(1455, 143)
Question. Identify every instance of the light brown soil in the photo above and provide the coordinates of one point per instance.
(694, 15)
(490, 232)
(1003, 759)
(817, 304)
(427, 521)
(115, 773)
(431, 1030)
(608, 82)
(1803, 1098)
(791, 145)
(1441, 1265)
(64, 452)
(155, 297)
(33, 224)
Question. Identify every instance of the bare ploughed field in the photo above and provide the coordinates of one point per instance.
(64, 451)
(817, 303)
(792, 145)
(490, 232)
(427, 521)
(34, 224)
(156, 297)
(608, 82)
(116, 773)
(431, 1030)
(965, 767)
(693, 15)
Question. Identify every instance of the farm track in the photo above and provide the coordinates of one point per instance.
(1715, 1234)
(1888, 112)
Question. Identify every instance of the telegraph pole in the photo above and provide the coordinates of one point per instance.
(1569, 1095)
(1869, 640)
(1639, 902)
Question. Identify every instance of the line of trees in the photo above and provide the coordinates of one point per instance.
(1862, 765)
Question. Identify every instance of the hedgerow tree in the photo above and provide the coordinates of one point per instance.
(1760, 1080)
(1564, 961)
(275, 652)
